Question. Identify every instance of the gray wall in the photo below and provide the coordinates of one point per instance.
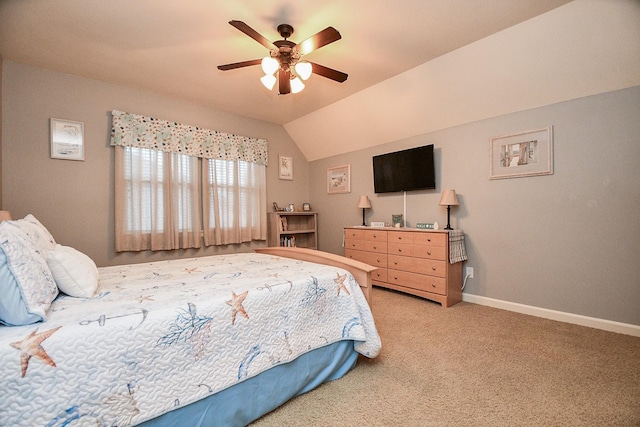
(568, 241)
(565, 242)
(75, 200)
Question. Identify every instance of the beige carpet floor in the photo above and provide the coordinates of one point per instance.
(471, 365)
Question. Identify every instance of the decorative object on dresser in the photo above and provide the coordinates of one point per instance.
(293, 229)
(449, 199)
(418, 262)
(364, 203)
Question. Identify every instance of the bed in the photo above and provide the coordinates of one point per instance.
(218, 340)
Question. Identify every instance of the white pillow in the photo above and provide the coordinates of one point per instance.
(27, 287)
(42, 241)
(74, 272)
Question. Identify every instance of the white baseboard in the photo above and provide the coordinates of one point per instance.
(576, 319)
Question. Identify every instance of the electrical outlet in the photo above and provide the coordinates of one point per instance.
(469, 272)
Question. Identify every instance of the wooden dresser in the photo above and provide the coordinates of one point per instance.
(409, 260)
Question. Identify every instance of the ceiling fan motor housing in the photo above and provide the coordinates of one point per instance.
(285, 30)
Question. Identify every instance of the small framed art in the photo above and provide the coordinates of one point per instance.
(67, 139)
(285, 170)
(521, 154)
(339, 179)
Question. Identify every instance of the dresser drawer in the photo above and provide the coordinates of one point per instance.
(354, 254)
(421, 282)
(375, 235)
(400, 237)
(371, 258)
(375, 259)
(431, 252)
(431, 239)
(350, 233)
(400, 249)
(418, 265)
(375, 246)
(357, 244)
(379, 275)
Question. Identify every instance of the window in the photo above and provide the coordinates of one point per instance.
(175, 184)
(160, 201)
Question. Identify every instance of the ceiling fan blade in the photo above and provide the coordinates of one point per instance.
(284, 84)
(329, 73)
(252, 33)
(323, 38)
(239, 64)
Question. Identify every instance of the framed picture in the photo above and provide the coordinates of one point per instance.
(339, 179)
(67, 140)
(521, 154)
(286, 168)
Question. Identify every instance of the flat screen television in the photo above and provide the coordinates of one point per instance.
(404, 170)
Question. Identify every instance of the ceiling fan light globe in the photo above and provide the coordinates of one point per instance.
(268, 80)
(304, 69)
(269, 65)
(296, 85)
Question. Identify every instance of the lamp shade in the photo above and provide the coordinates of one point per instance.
(304, 69)
(449, 198)
(364, 202)
(268, 80)
(5, 215)
(269, 65)
(296, 85)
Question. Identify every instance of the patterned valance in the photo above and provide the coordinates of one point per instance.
(133, 130)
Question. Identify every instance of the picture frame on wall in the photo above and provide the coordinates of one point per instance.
(285, 165)
(67, 139)
(339, 179)
(521, 154)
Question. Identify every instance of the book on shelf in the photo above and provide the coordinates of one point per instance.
(288, 241)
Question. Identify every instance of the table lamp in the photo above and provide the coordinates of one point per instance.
(449, 199)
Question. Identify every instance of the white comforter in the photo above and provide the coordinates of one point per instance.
(162, 335)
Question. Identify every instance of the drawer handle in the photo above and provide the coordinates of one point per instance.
(433, 285)
(428, 239)
(399, 250)
(428, 252)
(395, 262)
(375, 236)
(375, 247)
(395, 277)
(433, 268)
(377, 259)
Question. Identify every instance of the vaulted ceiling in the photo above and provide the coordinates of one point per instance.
(173, 47)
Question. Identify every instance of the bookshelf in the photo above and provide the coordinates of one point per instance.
(293, 229)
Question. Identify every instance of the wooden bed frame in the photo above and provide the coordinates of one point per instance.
(360, 271)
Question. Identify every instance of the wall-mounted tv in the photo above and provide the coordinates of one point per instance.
(404, 170)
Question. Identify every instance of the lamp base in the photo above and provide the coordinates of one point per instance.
(363, 224)
(448, 227)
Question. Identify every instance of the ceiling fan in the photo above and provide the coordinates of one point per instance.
(285, 58)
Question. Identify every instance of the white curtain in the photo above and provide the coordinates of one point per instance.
(163, 200)
(157, 200)
(234, 199)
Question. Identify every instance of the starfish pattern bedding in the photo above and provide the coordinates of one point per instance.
(159, 336)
